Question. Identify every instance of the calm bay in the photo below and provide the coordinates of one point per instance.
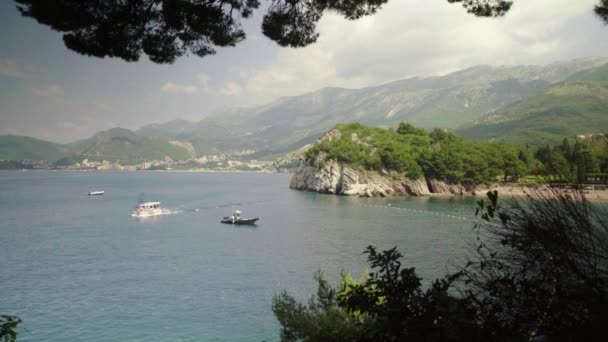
(80, 268)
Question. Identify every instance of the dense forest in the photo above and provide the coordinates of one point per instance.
(443, 155)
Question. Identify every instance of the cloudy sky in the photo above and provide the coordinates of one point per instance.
(52, 93)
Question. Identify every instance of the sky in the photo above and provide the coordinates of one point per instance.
(52, 93)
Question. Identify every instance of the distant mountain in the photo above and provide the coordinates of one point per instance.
(206, 136)
(598, 75)
(13, 147)
(563, 110)
(448, 101)
(123, 145)
(530, 104)
(116, 144)
(168, 130)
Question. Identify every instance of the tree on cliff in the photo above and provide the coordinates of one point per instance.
(168, 29)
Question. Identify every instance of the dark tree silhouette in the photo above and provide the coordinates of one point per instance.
(538, 271)
(541, 266)
(602, 10)
(486, 8)
(162, 29)
(168, 29)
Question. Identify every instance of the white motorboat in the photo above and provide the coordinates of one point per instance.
(96, 193)
(148, 209)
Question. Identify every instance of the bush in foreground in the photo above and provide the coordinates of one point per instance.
(539, 269)
(8, 326)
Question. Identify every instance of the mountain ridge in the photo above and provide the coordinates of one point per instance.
(447, 101)
(17, 147)
(452, 101)
(566, 109)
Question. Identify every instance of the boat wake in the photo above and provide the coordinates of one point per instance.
(161, 213)
(157, 211)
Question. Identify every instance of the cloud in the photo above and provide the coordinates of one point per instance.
(10, 68)
(52, 91)
(422, 38)
(103, 106)
(176, 88)
(231, 88)
(66, 124)
(204, 81)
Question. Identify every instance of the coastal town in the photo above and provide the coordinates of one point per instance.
(235, 162)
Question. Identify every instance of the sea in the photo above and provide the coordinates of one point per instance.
(75, 267)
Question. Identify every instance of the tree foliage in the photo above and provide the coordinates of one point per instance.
(8, 328)
(485, 8)
(418, 153)
(162, 29)
(539, 268)
(602, 10)
(321, 320)
(573, 163)
(168, 29)
(388, 304)
(442, 155)
(407, 128)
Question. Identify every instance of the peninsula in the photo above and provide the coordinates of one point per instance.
(356, 160)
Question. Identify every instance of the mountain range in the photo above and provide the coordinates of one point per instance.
(452, 101)
(578, 106)
(563, 110)
(511, 103)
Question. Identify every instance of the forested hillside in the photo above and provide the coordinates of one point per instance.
(566, 109)
(125, 146)
(438, 154)
(419, 153)
(578, 106)
(13, 147)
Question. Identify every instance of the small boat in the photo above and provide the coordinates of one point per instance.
(237, 219)
(147, 209)
(96, 193)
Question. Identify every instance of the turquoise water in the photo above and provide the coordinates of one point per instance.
(79, 268)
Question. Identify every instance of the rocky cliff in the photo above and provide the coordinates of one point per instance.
(332, 177)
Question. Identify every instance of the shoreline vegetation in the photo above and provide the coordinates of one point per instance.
(356, 160)
(536, 271)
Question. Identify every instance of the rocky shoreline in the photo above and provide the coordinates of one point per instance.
(332, 177)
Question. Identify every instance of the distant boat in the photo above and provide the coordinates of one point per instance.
(237, 219)
(96, 193)
(147, 209)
